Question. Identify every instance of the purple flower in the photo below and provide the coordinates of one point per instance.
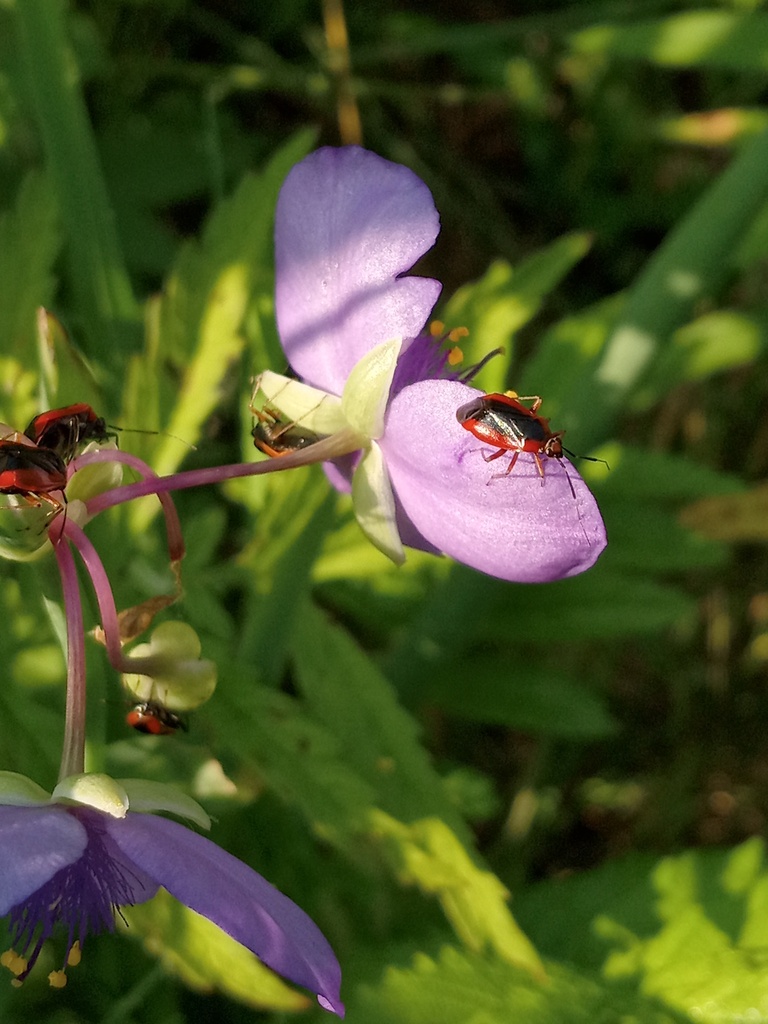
(349, 226)
(69, 866)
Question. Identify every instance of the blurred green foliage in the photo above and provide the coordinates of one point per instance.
(398, 748)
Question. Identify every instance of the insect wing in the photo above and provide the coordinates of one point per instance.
(28, 470)
(63, 430)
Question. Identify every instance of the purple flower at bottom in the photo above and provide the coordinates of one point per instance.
(69, 867)
(349, 226)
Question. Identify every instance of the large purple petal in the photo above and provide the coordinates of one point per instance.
(514, 527)
(241, 902)
(35, 843)
(348, 223)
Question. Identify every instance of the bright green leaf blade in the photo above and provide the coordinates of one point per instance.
(717, 39)
(689, 930)
(299, 759)
(690, 263)
(429, 855)
(29, 244)
(506, 298)
(563, 363)
(96, 268)
(713, 343)
(207, 959)
(206, 300)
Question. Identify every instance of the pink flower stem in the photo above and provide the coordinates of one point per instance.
(172, 524)
(331, 447)
(110, 622)
(73, 752)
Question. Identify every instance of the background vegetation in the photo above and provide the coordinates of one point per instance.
(397, 748)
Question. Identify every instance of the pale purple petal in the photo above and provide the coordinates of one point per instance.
(514, 527)
(229, 893)
(35, 843)
(348, 223)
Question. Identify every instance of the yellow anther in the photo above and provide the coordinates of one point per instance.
(458, 333)
(57, 979)
(455, 356)
(511, 394)
(437, 328)
(13, 962)
(75, 955)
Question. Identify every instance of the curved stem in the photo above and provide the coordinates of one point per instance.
(110, 621)
(73, 752)
(176, 547)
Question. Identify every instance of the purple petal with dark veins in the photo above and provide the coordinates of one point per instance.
(35, 843)
(242, 903)
(515, 527)
(348, 224)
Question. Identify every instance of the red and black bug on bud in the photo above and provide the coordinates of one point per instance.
(275, 436)
(38, 474)
(153, 719)
(66, 430)
(511, 427)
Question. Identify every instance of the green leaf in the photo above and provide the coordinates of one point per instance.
(698, 962)
(290, 529)
(303, 762)
(458, 988)
(649, 539)
(734, 40)
(564, 361)
(205, 958)
(29, 244)
(429, 855)
(349, 695)
(96, 268)
(641, 474)
(714, 343)
(690, 263)
(471, 609)
(523, 696)
(505, 299)
(203, 308)
(691, 931)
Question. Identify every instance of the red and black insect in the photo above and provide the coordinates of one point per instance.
(64, 430)
(154, 719)
(504, 422)
(36, 473)
(274, 436)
